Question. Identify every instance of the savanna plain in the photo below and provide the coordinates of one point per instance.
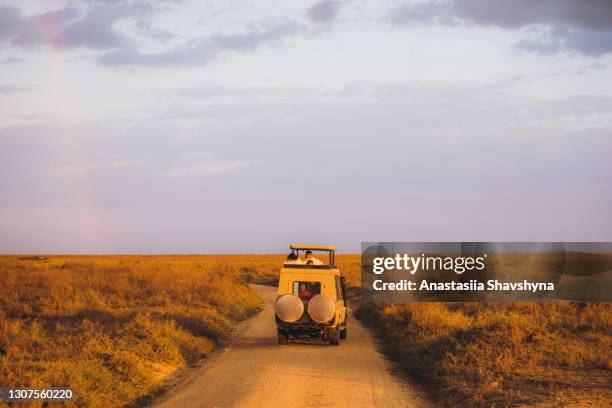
(118, 328)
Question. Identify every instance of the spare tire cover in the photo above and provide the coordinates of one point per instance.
(289, 308)
(321, 309)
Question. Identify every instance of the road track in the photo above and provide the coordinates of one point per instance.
(253, 371)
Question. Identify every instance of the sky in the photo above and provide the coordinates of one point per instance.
(241, 126)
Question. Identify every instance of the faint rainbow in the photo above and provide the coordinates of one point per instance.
(90, 227)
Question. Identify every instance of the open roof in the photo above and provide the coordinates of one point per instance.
(313, 247)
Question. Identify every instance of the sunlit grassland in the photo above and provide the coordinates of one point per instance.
(553, 353)
(113, 327)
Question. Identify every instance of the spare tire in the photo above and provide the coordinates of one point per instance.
(321, 309)
(289, 308)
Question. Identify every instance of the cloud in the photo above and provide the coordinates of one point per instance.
(147, 29)
(323, 11)
(590, 67)
(22, 30)
(94, 28)
(209, 168)
(12, 60)
(232, 91)
(557, 25)
(11, 89)
(92, 166)
(204, 50)
(69, 27)
(491, 143)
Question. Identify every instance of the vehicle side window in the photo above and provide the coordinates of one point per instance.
(306, 290)
(339, 289)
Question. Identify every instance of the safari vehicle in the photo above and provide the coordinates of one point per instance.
(311, 297)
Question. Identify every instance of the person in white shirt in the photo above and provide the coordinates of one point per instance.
(292, 259)
(311, 260)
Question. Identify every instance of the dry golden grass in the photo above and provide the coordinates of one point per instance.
(113, 327)
(502, 354)
(505, 353)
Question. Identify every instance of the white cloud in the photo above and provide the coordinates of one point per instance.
(201, 51)
(209, 168)
(91, 166)
(11, 89)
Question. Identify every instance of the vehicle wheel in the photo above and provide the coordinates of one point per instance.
(334, 337)
(282, 340)
(343, 332)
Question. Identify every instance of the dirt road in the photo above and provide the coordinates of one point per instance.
(255, 372)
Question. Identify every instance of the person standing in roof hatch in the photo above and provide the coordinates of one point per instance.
(292, 259)
(310, 257)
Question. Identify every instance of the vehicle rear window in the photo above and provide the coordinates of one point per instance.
(306, 290)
